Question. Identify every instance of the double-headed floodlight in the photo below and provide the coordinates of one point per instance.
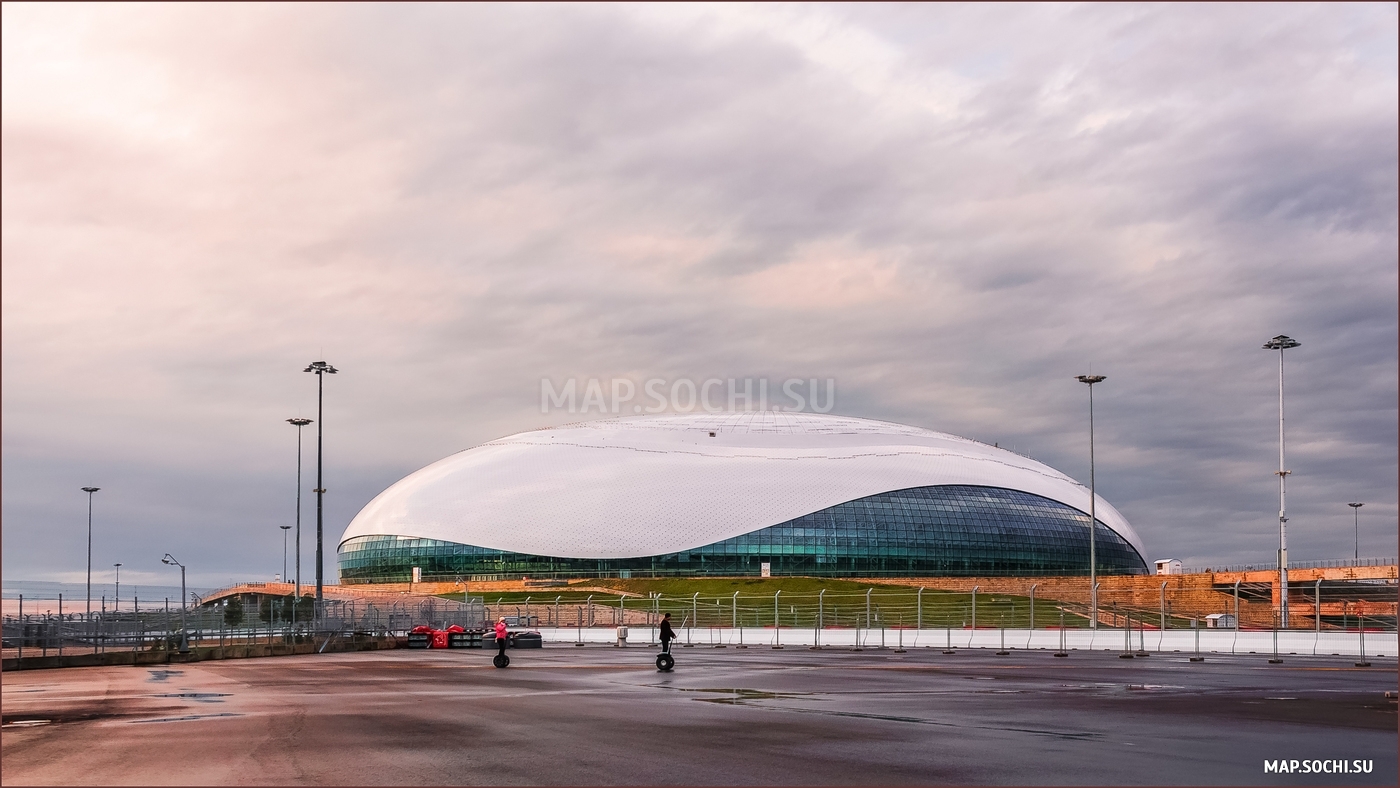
(1093, 523)
(89, 491)
(1356, 526)
(320, 369)
(1282, 343)
(184, 631)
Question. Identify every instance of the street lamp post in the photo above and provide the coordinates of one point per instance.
(89, 491)
(117, 602)
(1356, 529)
(321, 369)
(184, 632)
(1282, 343)
(1093, 515)
(298, 423)
(285, 529)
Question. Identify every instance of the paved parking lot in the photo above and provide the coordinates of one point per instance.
(601, 715)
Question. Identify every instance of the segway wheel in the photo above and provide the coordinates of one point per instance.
(501, 661)
(664, 662)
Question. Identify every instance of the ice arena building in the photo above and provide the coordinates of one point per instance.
(733, 494)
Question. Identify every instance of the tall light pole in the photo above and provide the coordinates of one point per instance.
(89, 491)
(1356, 526)
(1093, 517)
(285, 529)
(1282, 343)
(184, 632)
(117, 602)
(298, 423)
(321, 369)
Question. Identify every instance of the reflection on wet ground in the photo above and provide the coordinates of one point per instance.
(606, 716)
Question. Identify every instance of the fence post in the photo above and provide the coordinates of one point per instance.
(974, 612)
(821, 614)
(1162, 602)
(867, 612)
(1237, 606)
(777, 621)
(1361, 632)
(1030, 633)
(21, 626)
(1317, 607)
(919, 606)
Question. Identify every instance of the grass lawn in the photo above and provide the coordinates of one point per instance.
(801, 603)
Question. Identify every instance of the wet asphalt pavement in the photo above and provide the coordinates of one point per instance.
(602, 716)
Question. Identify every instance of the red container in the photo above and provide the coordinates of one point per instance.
(439, 638)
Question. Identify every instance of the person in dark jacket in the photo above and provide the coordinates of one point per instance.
(667, 634)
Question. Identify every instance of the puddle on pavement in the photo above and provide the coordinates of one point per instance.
(25, 723)
(162, 675)
(189, 717)
(201, 697)
(741, 695)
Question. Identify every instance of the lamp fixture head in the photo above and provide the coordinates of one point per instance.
(1356, 505)
(1090, 379)
(1281, 342)
(299, 422)
(319, 367)
(91, 490)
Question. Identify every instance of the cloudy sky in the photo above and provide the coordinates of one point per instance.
(950, 210)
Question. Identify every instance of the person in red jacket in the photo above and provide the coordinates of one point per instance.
(501, 634)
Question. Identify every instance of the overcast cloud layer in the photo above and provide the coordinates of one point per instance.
(950, 210)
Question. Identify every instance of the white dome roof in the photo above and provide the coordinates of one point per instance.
(651, 485)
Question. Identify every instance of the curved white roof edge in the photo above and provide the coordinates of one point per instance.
(651, 485)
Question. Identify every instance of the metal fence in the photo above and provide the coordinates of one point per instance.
(875, 609)
(169, 629)
(1337, 563)
(888, 607)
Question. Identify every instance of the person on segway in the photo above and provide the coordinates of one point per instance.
(501, 660)
(665, 661)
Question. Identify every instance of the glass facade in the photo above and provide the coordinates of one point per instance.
(943, 530)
